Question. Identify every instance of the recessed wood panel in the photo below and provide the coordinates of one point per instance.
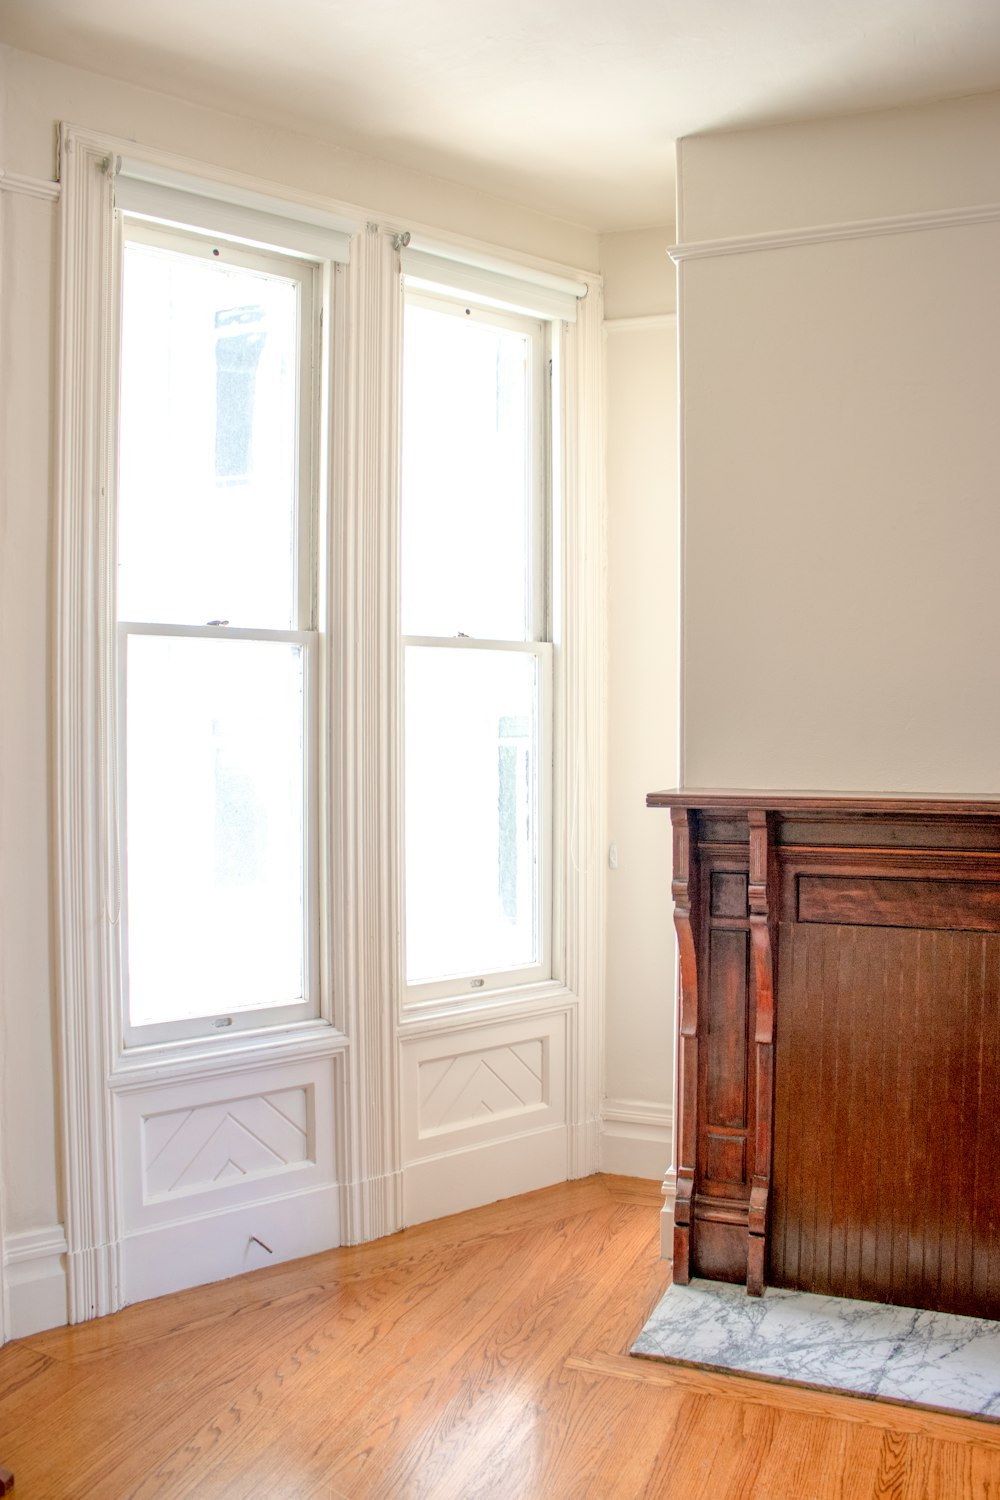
(880, 832)
(723, 830)
(887, 1126)
(725, 1157)
(955, 905)
(725, 1041)
(729, 894)
(720, 1251)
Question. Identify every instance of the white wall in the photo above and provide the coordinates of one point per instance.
(642, 690)
(35, 95)
(841, 533)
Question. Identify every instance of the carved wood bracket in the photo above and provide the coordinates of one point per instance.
(685, 894)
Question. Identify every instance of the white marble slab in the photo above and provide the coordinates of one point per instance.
(902, 1353)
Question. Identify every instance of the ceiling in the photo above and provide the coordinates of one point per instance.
(570, 106)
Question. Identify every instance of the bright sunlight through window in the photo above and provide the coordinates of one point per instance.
(476, 667)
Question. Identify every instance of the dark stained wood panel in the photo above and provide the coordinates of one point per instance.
(725, 1156)
(726, 1029)
(729, 894)
(957, 905)
(887, 1116)
(721, 830)
(864, 831)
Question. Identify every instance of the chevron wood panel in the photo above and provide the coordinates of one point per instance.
(473, 1086)
(191, 1150)
(466, 1087)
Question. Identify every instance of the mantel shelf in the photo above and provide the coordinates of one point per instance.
(925, 805)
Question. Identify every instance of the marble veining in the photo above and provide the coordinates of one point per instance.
(899, 1353)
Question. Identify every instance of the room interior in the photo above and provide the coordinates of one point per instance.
(797, 568)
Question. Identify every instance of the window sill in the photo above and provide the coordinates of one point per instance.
(498, 1005)
(165, 1062)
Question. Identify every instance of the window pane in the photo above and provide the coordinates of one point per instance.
(466, 478)
(207, 454)
(215, 846)
(472, 817)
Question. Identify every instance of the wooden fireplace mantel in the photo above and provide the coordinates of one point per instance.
(838, 1090)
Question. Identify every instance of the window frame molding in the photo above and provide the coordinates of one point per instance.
(94, 1067)
(359, 695)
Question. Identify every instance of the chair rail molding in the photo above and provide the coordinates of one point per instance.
(28, 187)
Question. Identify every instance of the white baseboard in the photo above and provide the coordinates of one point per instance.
(216, 1246)
(35, 1271)
(476, 1175)
(636, 1138)
(667, 1215)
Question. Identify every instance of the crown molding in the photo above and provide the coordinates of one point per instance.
(638, 324)
(821, 234)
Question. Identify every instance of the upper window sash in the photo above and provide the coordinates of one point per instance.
(306, 279)
(458, 578)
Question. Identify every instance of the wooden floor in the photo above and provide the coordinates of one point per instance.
(480, 1356)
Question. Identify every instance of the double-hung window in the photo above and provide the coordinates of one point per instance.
(327, 747)
(477, 653)
(216, 644)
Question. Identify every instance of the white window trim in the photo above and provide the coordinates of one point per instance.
(359, 692)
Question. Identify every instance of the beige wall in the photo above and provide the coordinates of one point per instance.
(27, 1127)
(642, 661)
(870, 166)
(841, 530)
(639, 278)
(34, 96)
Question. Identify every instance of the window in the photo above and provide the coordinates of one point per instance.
(227, 796)
(216, 635)
(477, 647)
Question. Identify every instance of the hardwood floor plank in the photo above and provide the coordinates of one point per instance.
(753, 1390)
(482, 1356)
